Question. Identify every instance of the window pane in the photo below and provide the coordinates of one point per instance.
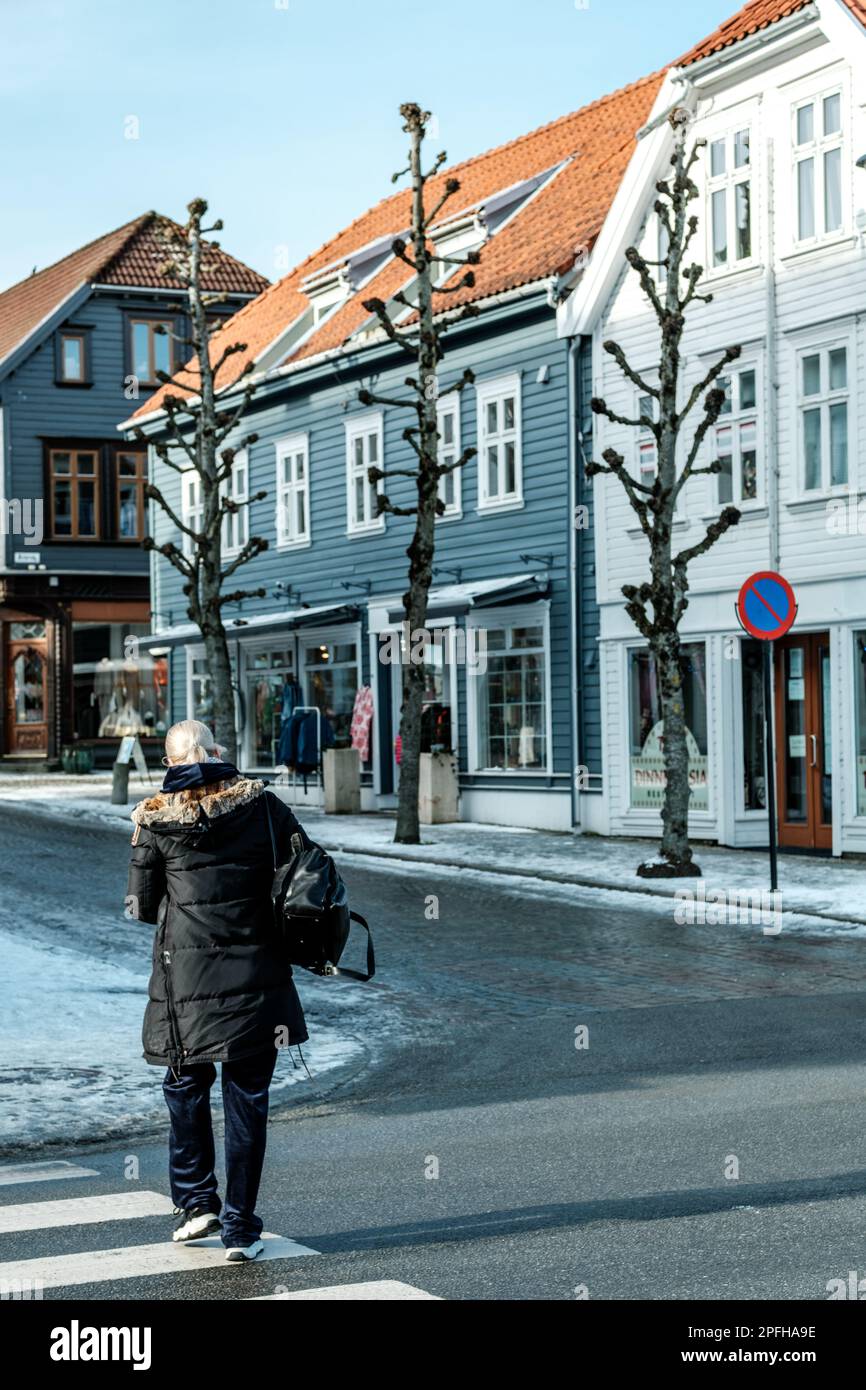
(747, 390)
(61, 463)
(832, 190)
(749, 466)
(812, 448)
(725, 479)
(510, 476)
(742, 198)
(805, 198)
(360, 518)
(724, 384)
(447, 428)
(832, 114)
(741, 148)
(141, 351)
(127, 509)
(805, 124)
(838, 443)
(811, 375)
(373, 447)
(720, 231)
(359, 451)
(301, 504)
(161, 351)
(492, 415)
(645, 411)
(62, 509)
(838, 369)
(127, 465)
(86, 463)
(717, 158)
(754, 768)
(527, 637)
(493, 471)
(508, 407)
(86, 509)
(72, 363)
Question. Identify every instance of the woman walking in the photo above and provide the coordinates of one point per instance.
(221, 987)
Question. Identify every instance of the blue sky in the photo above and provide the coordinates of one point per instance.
(282, 113)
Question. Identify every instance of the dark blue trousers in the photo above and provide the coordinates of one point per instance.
(191, 1144)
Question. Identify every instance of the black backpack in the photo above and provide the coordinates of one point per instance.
(311, 909)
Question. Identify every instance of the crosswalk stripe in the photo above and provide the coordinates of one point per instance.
(80, 1211)
(390, 1289)
(131, 1261)
(42, 1172)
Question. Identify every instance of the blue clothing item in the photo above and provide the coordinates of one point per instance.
(245, 1086)
(299, 741)
(184, 775)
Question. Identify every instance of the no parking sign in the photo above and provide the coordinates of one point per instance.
(766, 608)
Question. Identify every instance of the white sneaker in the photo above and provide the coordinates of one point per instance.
(195, 1224)
(237, 1254)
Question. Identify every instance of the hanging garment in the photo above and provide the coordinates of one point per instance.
(362, 718)
(292, 696)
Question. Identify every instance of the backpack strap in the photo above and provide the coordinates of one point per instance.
(271, 829)
(371, 958)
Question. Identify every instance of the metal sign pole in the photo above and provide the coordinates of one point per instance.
(770, 760)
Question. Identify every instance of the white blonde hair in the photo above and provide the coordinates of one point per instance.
(190, 741)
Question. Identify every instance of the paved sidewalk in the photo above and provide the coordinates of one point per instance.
(834, 889)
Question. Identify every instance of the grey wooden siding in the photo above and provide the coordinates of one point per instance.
(321, 400)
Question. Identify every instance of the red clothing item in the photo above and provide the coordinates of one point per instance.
(362, 718)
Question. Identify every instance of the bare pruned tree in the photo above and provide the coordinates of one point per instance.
(194, 437)
(420, 338)
(656, 606)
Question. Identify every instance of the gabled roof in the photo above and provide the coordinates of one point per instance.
(586, 153)
(131, 255)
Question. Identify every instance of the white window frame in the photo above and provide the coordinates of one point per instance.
(816, 149)
(734, 420)
(727, 183)
(498, 389)
(450, 405)
(529, 615)
(823, 400)
(191, 505)
(236, 525)
(366, 426)
(289, 537)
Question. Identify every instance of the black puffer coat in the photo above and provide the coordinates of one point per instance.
(200, 871)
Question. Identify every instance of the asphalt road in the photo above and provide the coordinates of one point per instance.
(707, 1143)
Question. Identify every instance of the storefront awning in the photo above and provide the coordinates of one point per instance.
(261, 624)
(452, 600)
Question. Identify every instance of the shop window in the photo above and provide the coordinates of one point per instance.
(754, 766)
(512, 700)
(267, 675)
(118, 688)
(646, 734)
(331, 679)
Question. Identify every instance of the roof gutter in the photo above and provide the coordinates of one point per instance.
(781, 33)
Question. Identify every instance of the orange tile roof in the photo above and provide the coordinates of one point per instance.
(130, 255)
(750, 20)
(540, 241)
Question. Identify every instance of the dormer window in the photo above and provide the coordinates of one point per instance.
(327, 290)
(456, 238)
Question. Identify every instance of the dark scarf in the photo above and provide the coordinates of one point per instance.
(183, 776)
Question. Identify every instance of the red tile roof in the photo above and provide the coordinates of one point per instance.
(130, 255)
(540, 241)
(750, 20)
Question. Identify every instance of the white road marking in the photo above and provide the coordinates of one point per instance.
(81, 1211)
(132, 1261)
(42, 1172)
(390, 1289)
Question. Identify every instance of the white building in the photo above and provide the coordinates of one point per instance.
(782, 213)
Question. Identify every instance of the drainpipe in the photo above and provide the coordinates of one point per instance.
(574, 604)
(772, 382)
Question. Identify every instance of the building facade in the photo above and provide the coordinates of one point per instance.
(79, 342)
(779, 98)
(512, 674)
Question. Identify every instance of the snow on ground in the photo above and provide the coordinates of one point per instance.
(823, 889)
(70, 1047)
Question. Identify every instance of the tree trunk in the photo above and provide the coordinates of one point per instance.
(675, 850)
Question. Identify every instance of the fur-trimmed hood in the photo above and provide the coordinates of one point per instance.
(183, 808)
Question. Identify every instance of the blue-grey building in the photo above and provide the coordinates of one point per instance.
(512, 674)
(80, 343)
